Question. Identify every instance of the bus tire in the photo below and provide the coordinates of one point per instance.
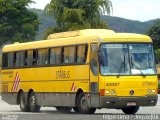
(33, 103)
(64, 109)
(130, 110)
(82, 105)
(23, 103)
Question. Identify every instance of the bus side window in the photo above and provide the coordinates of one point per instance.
(31, 57)
(17, 59)
(55, 56)
(14, 59)
(5, 60)
(23, 56)
(43, 56)
(81, 53)
(10, 60)
(35, 56)
(69, 54)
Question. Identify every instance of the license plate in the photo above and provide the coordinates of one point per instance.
(131, 104)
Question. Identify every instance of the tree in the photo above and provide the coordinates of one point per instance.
(78, 14)
(17, 23)
(154, 33)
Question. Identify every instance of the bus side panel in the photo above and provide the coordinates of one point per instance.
(54, 86)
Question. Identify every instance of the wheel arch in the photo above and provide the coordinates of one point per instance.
(77, 93)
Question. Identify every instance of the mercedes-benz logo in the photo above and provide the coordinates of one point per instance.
(131, 92)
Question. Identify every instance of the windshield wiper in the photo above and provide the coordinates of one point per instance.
(122, 66)
(137, 67)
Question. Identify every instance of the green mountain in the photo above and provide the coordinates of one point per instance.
(45, 22)
(125, 25)
(115, 23)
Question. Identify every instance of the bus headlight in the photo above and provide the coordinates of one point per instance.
(110, 92)
(151, 91)
(107, 92)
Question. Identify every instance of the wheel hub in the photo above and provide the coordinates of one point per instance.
(22, 102)
(84, 103)
(33, 101)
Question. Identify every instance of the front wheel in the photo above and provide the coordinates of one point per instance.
(82, 105)
(130, 110)
(33, 103)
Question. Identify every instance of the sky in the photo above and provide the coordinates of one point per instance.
(141, 10)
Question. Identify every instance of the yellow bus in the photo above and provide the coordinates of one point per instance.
(82, 70)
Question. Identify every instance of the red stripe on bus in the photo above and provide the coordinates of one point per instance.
(17, 84)
(14, 82)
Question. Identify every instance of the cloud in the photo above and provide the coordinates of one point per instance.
(142, 10)
(40, 4)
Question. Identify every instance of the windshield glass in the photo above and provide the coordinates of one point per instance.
(126, 59)
(114, 59)
(142, 59)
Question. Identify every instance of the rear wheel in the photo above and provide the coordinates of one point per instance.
(130, 110)
(64, 109)
(82, 105)
(33, 103)
(23, 103)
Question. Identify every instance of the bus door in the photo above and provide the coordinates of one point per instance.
(94, 82)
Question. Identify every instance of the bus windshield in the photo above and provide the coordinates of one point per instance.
(127, 59)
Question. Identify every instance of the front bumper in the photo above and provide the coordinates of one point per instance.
(121, 102)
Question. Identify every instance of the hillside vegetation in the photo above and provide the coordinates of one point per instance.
(115, 23)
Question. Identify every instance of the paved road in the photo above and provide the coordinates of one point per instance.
(12, 112)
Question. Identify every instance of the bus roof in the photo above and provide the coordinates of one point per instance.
(78, 37)
(86, 32)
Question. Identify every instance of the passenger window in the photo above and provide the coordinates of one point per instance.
(17, 59)
(81, 53)
(55, 55)
(10, 59)
(31, 57)
(43, 57)
(23, 58)
(5, 60)
(69, 54)
(35, 57)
